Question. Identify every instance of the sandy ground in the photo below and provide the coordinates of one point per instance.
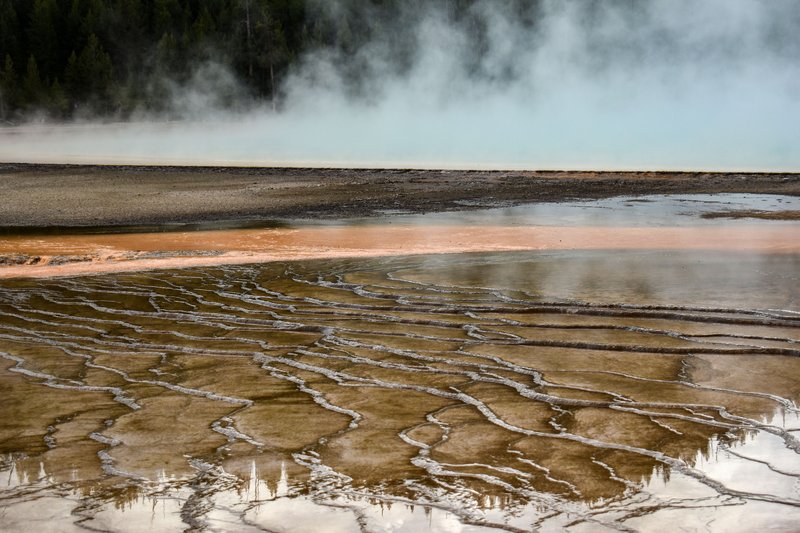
(73, 195)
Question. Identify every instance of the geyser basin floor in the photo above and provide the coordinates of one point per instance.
(632, 388)
(586, 391)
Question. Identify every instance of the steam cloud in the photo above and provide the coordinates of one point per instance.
(570, 84)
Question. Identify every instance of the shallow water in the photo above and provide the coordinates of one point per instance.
(572, 389)
(652, 222)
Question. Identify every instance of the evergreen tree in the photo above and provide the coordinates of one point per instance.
(270, 49)
(9, 26)
(32, 87)
(90, 74)
(8, 90)
(203, 26)
(58, 104)
(167, 17)
(73, 78)
(43, 37)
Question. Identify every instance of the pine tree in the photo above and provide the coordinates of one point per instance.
(58, 104)
(72, 77)
(167, 17)
(32, 87)
(89, 76)
(203, 26)
(9, 27)
(269, 49)
(8, 90)
(43, 37)
(95, 67)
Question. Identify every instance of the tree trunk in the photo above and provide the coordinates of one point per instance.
(249, 46)
(272, 84)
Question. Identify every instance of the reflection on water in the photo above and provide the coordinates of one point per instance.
(550, 390)
(639, 211)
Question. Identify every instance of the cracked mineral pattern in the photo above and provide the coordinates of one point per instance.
(586, 391)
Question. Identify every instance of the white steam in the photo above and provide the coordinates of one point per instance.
(603, 84)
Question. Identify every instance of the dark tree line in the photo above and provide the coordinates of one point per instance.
(67, 58)
(82, 58)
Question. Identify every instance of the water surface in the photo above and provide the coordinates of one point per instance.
(651, 222)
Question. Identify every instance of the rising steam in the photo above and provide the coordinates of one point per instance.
(614, 84)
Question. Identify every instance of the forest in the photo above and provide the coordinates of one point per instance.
(68, 59)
